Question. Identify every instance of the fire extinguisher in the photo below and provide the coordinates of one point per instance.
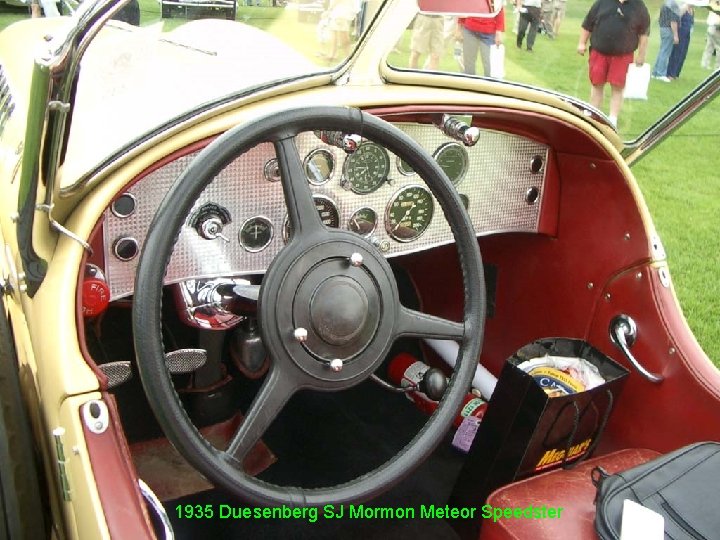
(406, 371)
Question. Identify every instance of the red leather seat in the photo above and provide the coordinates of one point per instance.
(570, 490)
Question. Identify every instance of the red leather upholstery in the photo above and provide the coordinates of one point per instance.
(570, 490)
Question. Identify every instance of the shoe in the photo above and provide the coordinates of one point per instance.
(529, 50)
(663, 79)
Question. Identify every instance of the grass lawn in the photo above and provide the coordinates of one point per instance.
(679, 178)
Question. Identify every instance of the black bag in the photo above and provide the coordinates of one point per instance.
(681, 486)
(524, 431)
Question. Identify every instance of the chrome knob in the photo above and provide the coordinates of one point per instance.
(356, 259)
(300, 335)
(336, 365)
(211, 228)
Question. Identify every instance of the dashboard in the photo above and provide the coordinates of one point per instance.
(239, 223)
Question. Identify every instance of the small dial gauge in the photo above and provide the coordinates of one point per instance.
(256, 233)
(409, 213)
(453, 160)
(404, 168)
(363, 221)
(367, 168)
(272, 170)
(319, 165)
(327, 210)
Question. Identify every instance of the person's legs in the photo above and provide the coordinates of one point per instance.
(485, 45)
(522, 27)
(414, 59)
(471, 44)
(49, 8)
(714, 39)
(666, 44)
(709, 48)
(596, 95)
(535, 15)
(616, 100)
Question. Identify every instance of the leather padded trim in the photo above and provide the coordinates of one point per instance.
(570, 490)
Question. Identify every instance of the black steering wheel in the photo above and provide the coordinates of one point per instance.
(328, 308)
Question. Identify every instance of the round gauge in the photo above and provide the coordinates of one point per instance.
(363, 221)
(319, 165)
(272, 170)
(255, 234)
(409, 213)
(327, 210)
(465, 200)
(367, 168)
(404, 168)
(453, 160)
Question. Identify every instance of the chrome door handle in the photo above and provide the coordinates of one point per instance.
(623, 332)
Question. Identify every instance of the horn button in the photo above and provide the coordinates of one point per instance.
(340, 306)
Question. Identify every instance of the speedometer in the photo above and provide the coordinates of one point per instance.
(367, 168)
(409, 213)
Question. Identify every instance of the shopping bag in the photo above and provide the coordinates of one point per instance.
(637, 81)
(497, 61)
(525, 431)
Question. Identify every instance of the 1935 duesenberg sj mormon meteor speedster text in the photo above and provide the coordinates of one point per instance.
(220, 240)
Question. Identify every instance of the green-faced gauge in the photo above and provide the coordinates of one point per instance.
(319, 165)
(453, 160)
(256, 233)
(409, 213)
(404, 168)
(363, 221)
(367, 168)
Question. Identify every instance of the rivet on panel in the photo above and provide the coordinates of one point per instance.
(593, 166)
(638, 276)
(590, 285)
(607, 297)
(627, 236)
(671, 351)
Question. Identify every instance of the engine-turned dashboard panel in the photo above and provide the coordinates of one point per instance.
(239, 223)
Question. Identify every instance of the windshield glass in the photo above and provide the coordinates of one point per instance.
(160, 59)
(596, 51)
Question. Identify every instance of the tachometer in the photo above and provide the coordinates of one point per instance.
(367, 168)
(327, 210)
(409, 213)
(453, 160)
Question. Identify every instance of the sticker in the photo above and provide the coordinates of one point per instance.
(465, 434)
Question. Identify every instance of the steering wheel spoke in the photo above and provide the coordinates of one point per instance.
(413, 323)
(278, 388)
(303, 215)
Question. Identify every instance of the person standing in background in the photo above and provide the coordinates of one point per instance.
(478, 35)
(712, 42)
(428, 37)
(530, 16)
(558, 15)
(679, 51)
(668, 22)
(615, 29)
(48, 8)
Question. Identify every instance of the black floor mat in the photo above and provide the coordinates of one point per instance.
(325, 439)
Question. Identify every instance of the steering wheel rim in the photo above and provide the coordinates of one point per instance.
(284, 349)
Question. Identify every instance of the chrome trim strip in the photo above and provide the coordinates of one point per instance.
(155, 504)
(673, 119)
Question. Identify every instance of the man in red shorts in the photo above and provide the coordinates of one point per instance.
(616, 29)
